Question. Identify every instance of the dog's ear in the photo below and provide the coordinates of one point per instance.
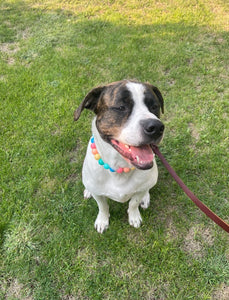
(159, 96)
(89, 102)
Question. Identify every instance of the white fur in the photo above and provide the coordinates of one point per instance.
(131, 133)
(135, 185)
(103, 184)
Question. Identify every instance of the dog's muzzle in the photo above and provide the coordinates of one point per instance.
(152, 128)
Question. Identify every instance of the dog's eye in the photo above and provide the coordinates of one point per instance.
(119, 108)
(122, 108)
(153, 107)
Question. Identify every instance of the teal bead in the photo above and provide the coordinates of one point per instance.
(106, 166)
(101, 162)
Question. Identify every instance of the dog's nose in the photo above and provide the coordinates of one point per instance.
(153, 127)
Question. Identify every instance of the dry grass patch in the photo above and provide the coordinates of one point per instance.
(68, 297)
(15, 290)
(222, 293)
(196, 239)
(49, 184)
(70, 46)
(194, 132)
(172, 232)
(8, 50)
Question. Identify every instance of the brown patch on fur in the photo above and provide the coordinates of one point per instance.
(113, 105)
(109, 120)
(91, 101)
(108, 127)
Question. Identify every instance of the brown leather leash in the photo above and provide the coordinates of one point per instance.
(201, 205)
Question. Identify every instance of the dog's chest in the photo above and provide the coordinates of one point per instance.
(118, 187)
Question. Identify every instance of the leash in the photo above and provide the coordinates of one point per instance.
(201, 205)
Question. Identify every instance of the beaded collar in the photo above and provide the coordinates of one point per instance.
(102, 163)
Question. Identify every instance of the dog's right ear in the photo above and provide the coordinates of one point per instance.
(89, 102)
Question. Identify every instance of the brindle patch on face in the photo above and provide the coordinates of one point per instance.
(114, 107)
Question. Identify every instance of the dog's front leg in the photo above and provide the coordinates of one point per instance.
(135, 218)
(102, 220)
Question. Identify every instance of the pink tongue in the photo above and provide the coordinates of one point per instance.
(143, 153)
(141, 157)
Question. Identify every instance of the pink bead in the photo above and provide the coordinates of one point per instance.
(93, 146)
(120, 170)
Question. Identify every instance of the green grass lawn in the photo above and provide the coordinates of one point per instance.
(51, 54)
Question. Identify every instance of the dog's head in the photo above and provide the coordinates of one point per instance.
(127, 117)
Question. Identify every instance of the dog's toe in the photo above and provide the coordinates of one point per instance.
(135, 218)
(101, 223)
(86, 194)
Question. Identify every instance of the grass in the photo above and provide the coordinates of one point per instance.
(52, 53)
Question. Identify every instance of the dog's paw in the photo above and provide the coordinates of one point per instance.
(101, 223)
(135, 218)
(86, 194)
(145, 201)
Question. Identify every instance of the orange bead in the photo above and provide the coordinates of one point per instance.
(126, 170)
(94, 151)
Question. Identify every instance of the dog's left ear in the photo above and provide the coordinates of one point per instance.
(89, 102)
(159, 96)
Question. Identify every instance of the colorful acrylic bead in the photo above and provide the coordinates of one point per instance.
(97, 156)
(120, 170)
(101, 162)
(94, 151)
(105, 165)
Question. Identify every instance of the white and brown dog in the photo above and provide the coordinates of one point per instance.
(120, 163)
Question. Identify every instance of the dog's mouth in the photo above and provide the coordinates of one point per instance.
(141, 157)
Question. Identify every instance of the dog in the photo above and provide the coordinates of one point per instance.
(120, 163)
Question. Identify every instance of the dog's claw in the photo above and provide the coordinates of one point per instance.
(135, 218)
(101, 223)
(86, 194)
